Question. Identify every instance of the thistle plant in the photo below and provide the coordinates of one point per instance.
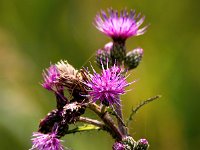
(78, 90)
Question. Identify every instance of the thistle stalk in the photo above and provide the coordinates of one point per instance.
(113, 130)
(92, 121)
(121, 126)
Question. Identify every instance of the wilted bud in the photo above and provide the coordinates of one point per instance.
(65, 69)
(133, 58)
(62, 128)
(72, 111)
(48, 122)
(61, 99)
(103, 55)
(118, 146)
(71, 79)
(142, 144)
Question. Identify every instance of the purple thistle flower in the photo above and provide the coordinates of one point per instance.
(107, 86)
(118, 146)
(50, 76)
(46, 142)
(120, 26)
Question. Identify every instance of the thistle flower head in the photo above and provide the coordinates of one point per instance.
(50, 76)
(108, 85)
(46, 142)
(143, 141)
(142, 144)
(119, 26)
(133, 58)
(129, 143)
(118, 146)
(103, 55)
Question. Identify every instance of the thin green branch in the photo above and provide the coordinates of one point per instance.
(136, 109)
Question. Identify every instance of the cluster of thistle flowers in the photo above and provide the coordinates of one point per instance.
(78, 90)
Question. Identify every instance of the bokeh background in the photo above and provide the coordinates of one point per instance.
(34, 33)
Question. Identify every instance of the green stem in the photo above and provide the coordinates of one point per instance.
(135, 110)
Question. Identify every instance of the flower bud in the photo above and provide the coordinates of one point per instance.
(129, 143)
(108, 46)
(133, 58)
(103, 55)
(142, 144)
(118, 146)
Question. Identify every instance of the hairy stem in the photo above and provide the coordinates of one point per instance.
(114, 113)
(119, 116)
(92, 121)
(113, 130)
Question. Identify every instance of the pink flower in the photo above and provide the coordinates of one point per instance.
(107, 86)
(50, 77)
(46, 142)
(119, 27)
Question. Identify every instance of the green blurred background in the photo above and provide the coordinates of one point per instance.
(34, 33)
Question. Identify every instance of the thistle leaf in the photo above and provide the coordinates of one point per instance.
(85, 127)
